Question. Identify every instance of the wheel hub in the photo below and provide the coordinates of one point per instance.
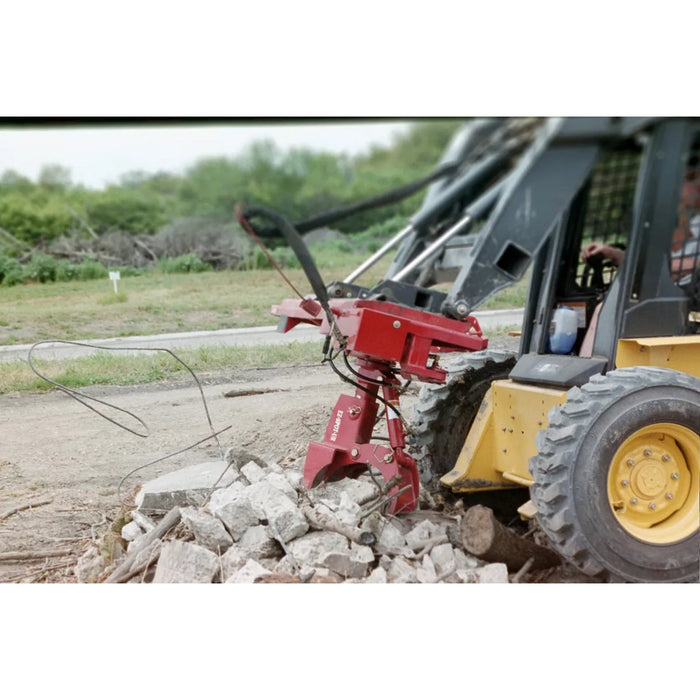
(650, 482)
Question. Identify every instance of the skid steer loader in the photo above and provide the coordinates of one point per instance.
(598, 414)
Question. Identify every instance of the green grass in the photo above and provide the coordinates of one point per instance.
(120, 369)
(168, 303)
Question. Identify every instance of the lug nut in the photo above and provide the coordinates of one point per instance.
(665, 458)
(675, 476)
(630, 462)
(647, 453)
(624, 482)
(652, 506)
(669, 496)
(634, 501)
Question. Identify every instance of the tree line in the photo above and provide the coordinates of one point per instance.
(298, 183)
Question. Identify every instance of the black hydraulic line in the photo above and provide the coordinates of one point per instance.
(296, 243)
(382, 200)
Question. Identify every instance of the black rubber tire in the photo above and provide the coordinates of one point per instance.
(571, 468)
(444, 413)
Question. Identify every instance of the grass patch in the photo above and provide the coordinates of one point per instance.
(121, 369)
(118, 298)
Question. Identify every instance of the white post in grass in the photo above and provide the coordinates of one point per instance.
(114, 276)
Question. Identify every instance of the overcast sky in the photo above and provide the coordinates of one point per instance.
(99, 156)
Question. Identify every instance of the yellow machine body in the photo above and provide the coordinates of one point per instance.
(501, 440)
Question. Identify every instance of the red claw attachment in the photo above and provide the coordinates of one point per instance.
(386, 339)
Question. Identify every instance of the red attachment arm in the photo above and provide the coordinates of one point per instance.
(381, 335)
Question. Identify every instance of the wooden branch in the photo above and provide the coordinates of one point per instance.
(33, 504)
(25, 556)
(140, 244)
(323, 521)
(82, 221)
(486, 538)
(172, 518)
(16, 241)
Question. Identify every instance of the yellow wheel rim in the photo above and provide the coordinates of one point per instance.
(653, 483)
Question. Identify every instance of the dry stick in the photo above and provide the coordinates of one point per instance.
(33, 504)
(325, 521)
(523, 570)
(172, 518)
(25, 556)
(446, 574)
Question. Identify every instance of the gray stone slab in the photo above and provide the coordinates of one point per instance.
(259, 544)
(237, 515)
(492, 573)
(278, 509)
(131, 531)
(253, 472)
(208, 531)
(401, 571)
(185, 562)
(248, 573)
(184, 487)
(311, 549)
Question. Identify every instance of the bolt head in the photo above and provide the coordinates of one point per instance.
(665, 458)
(675, 476)
(669, 496)
(652, 506)
(630, 462)
(462, 309)
(624, 482)
(647, 453)
(388, 458)
(634, 501)
(397, 324)
(354, 452)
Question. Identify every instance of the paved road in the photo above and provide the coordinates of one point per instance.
(263, 335)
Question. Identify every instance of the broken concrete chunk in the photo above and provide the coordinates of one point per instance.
(280, 482)
(426, 572)
(465, 561)
(492, 573)
(220, 497)
(143, 521)
(358, 490)
(348, 511)
(352, 564)
(259, 544)
(295, 478)
(377, 576)
(207, 530)
(389, 538)
(233, 560)
(253, 472)
(401, 571)
(443, 557)
(185, 562)
(312, 548)
(417, 537)
(237, 515)
(188, 486)
(271, 504)
(249, 572)
(131, 531)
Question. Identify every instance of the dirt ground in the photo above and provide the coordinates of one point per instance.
(77, 466)
(54, 448)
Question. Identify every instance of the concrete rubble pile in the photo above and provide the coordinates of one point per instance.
(259, 524)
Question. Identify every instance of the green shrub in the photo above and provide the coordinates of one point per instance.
(41, 268)
(184, 263)
(11, 272)
(90, 269)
